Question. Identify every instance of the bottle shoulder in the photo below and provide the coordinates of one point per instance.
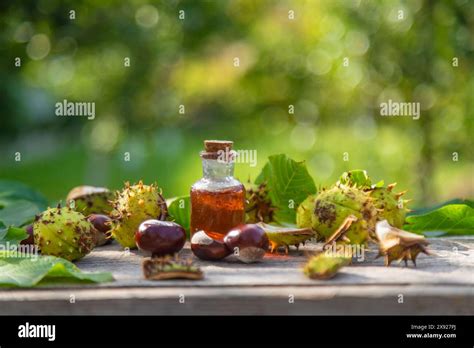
(212, 185)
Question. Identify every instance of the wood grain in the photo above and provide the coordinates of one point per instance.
(440, 284)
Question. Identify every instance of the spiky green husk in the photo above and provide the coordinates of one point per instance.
(63, 232)
(90, 200)
(390, 205)
(396, 244)
(325, 265)
(333, 206)
(132, 206)
(305, 211)
(280, 236)
(258, 206)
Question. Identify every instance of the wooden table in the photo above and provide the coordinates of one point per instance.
(440, 284)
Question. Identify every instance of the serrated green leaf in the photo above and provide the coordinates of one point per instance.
(19, 203)
(289, 183)
(19, 212)
(179, 210)
(12, 190)
(12, 235)
(420, 211)
(453, 219)
(27, 271)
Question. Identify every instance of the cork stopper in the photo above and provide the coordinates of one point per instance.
(215, 149)
(217, 145)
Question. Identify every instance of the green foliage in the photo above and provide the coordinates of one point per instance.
(358, 178)
(27, 271)
(11, 191)
(283, 62)
(11, 235)
(19, 213)
(19, 203)
(452, 219)
(288, 183)
(179, 210)
(421, 211)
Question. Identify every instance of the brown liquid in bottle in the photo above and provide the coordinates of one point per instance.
(217, 212)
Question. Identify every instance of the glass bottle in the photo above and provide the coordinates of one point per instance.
(217, 199)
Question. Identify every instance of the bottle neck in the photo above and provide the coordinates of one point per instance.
(213, 169)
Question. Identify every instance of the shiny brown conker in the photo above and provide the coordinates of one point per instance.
(31, 238)
(249, 243)
(160, 237)
(207, 248)
(102, 226)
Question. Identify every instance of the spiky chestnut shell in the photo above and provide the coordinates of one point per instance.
(280, 236)
(333, 206)
(63, 232)
(258, 207)
(167, 267)
(390, 206)
(325, 266)
(396, 244)
(305, 211)
(90, 200)
(133, 205)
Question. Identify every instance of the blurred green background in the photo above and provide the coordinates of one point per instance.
(290, 53)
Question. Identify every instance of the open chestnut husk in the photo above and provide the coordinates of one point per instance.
(102, 226)
(207, 248)
(160, 238)
(249, 243)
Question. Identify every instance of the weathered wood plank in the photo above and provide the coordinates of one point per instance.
(308, 300)
(452, 263)
(441, 284)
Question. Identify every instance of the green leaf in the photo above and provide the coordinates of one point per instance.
(3, 230)
(453, 219)
(12, 235)
(19, 203)
(27, 271)
(14, 191)
(179, 210)
(289, 184)
(420, 211)
(358, 178)
(19, 212)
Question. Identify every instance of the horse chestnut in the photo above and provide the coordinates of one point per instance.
(160, 237)
(102, 225)
(207, 248)
(31, 238)
(248, 242)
